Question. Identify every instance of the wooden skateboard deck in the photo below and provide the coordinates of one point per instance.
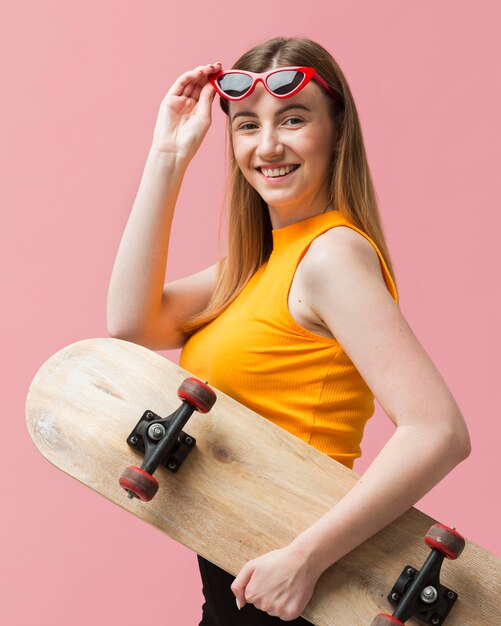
(247, 486)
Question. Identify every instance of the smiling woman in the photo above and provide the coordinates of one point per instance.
(299, 137)
(314, 110)
(300, 321)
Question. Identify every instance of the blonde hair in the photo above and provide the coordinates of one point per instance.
(351, 190)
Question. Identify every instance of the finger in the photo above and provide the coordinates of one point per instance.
(203, 79)
(199, 87)
(240, 583)
(189, 85)
(204, 94)
(191, 90)
(183, 86)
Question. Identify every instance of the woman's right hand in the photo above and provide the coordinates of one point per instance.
(185, 113)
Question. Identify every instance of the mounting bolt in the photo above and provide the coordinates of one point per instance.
(435, 620)
(451, 595)
(429, 595)
(156, 431)
(411, 571)
(395, 596)
(172, 465)
(188, 441)
(133, 440)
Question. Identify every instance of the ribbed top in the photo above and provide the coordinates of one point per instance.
(258, 354)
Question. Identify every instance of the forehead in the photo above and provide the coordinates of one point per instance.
(262, 102)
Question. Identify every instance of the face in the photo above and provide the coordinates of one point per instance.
(270, 133)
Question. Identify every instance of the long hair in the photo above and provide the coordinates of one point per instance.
(351, 190)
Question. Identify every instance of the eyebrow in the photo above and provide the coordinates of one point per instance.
(277, 113)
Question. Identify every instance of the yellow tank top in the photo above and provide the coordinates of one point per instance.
(259, 355)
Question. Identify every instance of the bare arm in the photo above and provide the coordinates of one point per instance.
(140, 307)
(431, 437)
(343, 285)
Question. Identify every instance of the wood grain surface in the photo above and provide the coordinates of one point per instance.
(247, 487)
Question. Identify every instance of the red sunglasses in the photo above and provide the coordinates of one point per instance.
(282, 82)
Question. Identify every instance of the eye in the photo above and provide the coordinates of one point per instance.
(247, 126)
(297, 119)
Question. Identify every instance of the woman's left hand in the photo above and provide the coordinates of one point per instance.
(280, 583)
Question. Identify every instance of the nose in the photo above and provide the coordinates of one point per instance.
(270, 144)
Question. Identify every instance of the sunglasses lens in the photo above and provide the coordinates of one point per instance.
(282, 83)
(235, 85)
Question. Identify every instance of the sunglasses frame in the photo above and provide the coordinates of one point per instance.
(309, 74)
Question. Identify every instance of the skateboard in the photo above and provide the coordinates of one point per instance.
(230, 485)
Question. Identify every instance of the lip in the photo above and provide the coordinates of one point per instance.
(274, 166)
(277, 179)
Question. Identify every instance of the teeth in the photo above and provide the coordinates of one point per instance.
(279, 171)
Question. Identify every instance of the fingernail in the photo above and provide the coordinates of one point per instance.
(238, 604)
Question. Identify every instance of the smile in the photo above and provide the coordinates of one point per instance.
(278, 172)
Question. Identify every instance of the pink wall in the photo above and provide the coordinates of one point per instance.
(81, 84)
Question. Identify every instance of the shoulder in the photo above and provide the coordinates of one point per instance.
(340, 278)
(341, 252)
(345, 290)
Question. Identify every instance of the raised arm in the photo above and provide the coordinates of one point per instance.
(140, 307)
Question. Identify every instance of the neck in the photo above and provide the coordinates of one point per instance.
(281, 217)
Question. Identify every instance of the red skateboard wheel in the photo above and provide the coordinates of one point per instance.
(446, 540)
(198, 394)
(386, 620)
(143, 485)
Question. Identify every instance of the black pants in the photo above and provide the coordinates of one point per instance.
(220, 608)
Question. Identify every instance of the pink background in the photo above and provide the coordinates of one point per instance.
(81, 86)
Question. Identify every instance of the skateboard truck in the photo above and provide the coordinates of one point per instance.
(149, 432)
(419, 593)
(163, 441)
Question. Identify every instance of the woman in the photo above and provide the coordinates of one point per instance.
(300, 321)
